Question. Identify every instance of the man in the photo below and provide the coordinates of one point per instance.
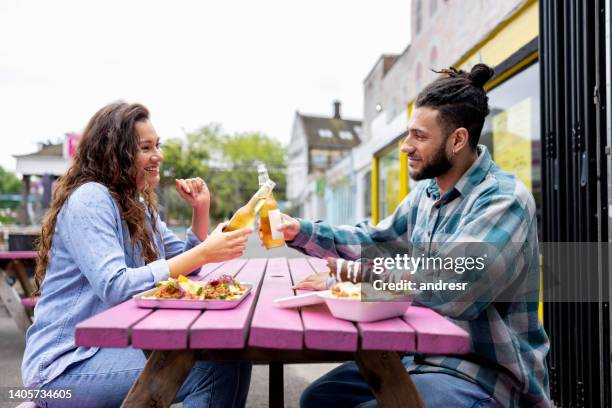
(463, 198)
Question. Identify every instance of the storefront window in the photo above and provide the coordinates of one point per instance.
(512, 129)
(388, 182)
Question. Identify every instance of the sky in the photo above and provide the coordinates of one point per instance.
(247, 65)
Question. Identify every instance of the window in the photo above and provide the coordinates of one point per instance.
(346, 135)
(388, 183)
(357, 130)
(512, 130)
(433, 7)
(326, 133)
(319, 160)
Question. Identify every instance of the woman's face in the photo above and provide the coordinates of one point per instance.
(149, 155)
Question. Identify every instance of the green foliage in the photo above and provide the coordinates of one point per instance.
(228, 164)
(9, 183)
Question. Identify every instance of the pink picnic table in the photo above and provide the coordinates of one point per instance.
(259, 332)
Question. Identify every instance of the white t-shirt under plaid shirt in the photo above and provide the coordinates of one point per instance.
(487, 205)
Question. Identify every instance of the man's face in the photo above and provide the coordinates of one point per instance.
(425, 145)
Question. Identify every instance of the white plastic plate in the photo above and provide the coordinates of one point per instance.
(306, 299)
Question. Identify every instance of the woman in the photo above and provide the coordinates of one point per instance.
(102, 242)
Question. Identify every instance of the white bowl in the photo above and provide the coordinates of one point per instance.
(356, 310)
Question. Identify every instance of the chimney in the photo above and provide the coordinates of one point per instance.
(337, 109)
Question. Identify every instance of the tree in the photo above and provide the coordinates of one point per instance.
(228, 164)
(9, 183)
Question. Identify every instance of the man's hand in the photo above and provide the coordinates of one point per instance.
(290, 227)
(344, 270)
(316, 281)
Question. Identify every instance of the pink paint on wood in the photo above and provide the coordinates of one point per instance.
(229, 328)
(318, 264)
(435, 334)
(271, 326)
(18, 254)
(322, 331)
(164, 329)
(391, 334)
(29, 302)
(110, 328)
(206, 270)
(27, 405)
(228, 268)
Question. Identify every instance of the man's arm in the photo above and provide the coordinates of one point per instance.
(501, 232)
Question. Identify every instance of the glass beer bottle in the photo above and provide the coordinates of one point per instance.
(245, 216)
(269, 215)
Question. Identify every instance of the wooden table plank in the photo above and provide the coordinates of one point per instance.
(391, 334)
(18, 254)
(168, 329)
(271, 326)
(435, 334)
(322, 331)
(318, 264)
(110, 328)
(229, 328)
(206, 270)
(165, 329)
(228, 268)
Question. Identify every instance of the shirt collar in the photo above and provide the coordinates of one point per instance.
(470, 179)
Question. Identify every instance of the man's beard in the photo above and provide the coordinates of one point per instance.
(439, 165)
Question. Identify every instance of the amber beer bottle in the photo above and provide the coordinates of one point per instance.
(245, 216)
(269, 215)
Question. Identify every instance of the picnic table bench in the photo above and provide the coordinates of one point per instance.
(259, 332)
(12, 263)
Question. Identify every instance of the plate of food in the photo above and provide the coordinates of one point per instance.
(346, 301)
(224, 292)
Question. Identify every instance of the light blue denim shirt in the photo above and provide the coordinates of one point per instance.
(93, 267)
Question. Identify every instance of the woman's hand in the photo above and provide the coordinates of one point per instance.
(222, 246)
(194, 191)
(316, 281)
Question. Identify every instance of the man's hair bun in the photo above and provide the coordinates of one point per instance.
(480, 74)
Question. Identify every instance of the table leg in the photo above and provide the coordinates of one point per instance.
(10, 299)
(22, 276)
(160, 379)
(276, 388)
(388, 379)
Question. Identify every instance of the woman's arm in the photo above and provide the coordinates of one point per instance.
(195, 192)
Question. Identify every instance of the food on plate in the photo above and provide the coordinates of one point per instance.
(223, 288)
(346, 290)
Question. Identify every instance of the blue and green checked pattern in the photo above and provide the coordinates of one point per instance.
(487, 205)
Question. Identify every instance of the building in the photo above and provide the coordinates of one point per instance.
(48, 163)
(317, 143)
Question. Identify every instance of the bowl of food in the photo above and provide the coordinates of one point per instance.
(224, 292)
(346, 300)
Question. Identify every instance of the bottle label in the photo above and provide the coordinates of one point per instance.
(275, 222)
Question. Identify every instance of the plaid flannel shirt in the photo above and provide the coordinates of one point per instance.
(486, 205)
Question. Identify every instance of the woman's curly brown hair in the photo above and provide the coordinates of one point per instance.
(106, 154)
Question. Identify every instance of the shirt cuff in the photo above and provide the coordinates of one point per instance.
(305, 234)
(331, 281)
(192, 239)
(159, 269)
